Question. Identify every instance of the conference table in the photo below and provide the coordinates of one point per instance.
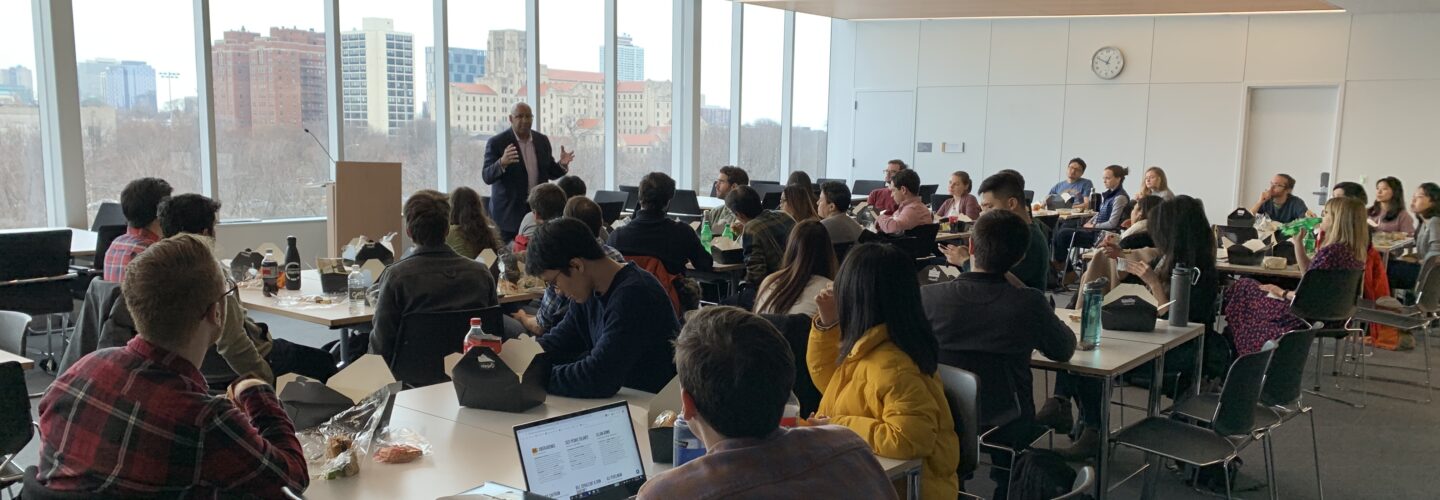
(335, 315)
(25, 363)
(82, 241)
(471, 446)
(1121, 352)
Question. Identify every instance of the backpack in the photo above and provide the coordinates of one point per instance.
(1040, 474)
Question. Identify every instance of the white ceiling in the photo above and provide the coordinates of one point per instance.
(942, 9)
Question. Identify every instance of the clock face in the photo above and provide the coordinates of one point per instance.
(1107, 62)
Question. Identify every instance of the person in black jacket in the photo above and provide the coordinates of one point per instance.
(989, 326)
(651, 233)
(515, 161)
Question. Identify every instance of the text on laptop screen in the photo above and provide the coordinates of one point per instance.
(581, 454)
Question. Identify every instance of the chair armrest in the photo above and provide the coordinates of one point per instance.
(32, 281)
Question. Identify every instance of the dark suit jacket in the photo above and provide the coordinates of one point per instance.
(510, 186)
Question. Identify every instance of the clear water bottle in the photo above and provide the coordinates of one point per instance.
(1092, 294)
(355, 286)
(687, 445)
(478, 338)
(791, 417)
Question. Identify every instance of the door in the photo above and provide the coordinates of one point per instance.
(1289, 130)
(884, 130)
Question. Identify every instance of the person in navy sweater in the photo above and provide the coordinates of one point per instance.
(620, 327)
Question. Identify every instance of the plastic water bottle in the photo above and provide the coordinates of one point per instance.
(355, 285)
(1091, 297)
(706, 235)
(687, 445)
(478, 338)
(791, 417)
(270, 274)
(1180, 280)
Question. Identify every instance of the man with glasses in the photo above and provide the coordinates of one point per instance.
(516, 161)
(730, 176)
(246, 347)
(138, 421)
(1277, 203)
(620, 325)
(881, 198)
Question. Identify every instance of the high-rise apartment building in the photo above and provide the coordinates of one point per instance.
(130, 85)
(377, 67)
(629, 59)
(466, 66)
(17, 86)
(91, 76)
(274, 80)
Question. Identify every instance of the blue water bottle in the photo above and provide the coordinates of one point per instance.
(1092, 294)
(687, 445)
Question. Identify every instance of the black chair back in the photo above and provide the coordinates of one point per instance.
(919, 241)
(1427, 288)
(769, 194)
(426, 338)
(104, 237)
(1328, 294)
(1235, 415)
(962, 391)
(632, 196)
(1287, 368)
(822, 181)
(927, 191)
(841, 249)
(796, 330)
(936, 201)
(610, 211)
(754, 183)
(685, 202)
(1029, 197)
(1236, 234)
(865, 187)
(109, 214)
(15, 428)
(36, 255)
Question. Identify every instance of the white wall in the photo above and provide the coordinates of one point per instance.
(1020, 94)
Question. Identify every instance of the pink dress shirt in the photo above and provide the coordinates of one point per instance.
(909, 214)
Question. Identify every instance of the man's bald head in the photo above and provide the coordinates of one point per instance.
(521, 119)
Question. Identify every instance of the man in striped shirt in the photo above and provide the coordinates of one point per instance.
(136, 421)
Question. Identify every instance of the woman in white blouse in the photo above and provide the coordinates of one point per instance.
(808, 267)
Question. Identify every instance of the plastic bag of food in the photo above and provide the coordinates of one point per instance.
(349, 433)
(400, 445)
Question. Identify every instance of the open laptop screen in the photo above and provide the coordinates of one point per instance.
(589, 453)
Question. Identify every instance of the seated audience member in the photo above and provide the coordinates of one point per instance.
(988, 326)
(797, 202)
(763, 235)
(1279, 203)
(431, 278)
(1182, 235)
(246, 347)
(1075, 184)
(833, 207)
(909, 210)
(1108, 215)
(1006, 191)
(1404, 271)
(553, 305)
(1388, 213)
(160, 433)
(1377, 279)
(808, 268)
(620, 324)
(881, 198)
(1137, 228)
(546, 202)
(736, 372)
(875, 360)
(1155, 183)
(801, 178)
(1349, 189)
(140, 202)
(652, 233)
(961, 202)
(729, 177)
(471, 231)
(572, 185)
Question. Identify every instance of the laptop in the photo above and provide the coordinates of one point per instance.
(587, 454)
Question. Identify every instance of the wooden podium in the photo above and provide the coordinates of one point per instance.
(364, 200)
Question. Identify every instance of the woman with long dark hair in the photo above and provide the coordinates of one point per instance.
(471, 231)
(808, 267)
(798, 202)
(1388, 213)
(1405, 271)
(877, 362)
(801, 178)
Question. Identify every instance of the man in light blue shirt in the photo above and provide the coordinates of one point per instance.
(1079, 188)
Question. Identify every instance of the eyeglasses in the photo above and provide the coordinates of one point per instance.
(232, 288)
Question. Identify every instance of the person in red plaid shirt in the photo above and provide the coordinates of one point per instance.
(136, 421)
(140, 202)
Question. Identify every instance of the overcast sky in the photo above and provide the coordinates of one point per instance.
(162, 34)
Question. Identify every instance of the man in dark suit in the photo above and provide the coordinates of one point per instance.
(515, 161)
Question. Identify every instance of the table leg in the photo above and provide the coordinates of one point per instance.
(912, 483)
(1102, 465)
(344, 347)
(1152, 461)
(1199, 364)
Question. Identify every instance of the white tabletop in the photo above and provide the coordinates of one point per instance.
(1113, 357)
(1164, 335)
(709, 202)
(82, 241)
(331, 315)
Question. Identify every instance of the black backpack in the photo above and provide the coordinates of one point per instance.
(1041, 474)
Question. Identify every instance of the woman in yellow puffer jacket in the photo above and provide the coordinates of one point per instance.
(885, 385)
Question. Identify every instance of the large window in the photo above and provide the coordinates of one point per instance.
(715, 19)
(643, 92)
(487, 78)
(810, 101)
(760, 83)
(22, 175)
(382, 87)
(137, 96)
(269, 88)
(572, 84)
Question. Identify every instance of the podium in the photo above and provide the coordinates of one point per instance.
(364, 200)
